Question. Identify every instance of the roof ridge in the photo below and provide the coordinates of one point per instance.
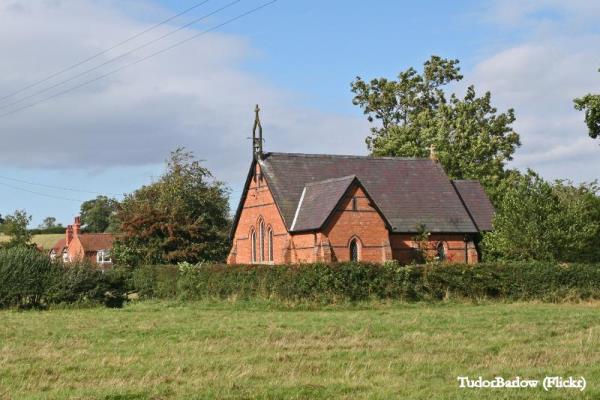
(347, 156)
(343, 178)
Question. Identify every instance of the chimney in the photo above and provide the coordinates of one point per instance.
(77, 227)
(69, 234)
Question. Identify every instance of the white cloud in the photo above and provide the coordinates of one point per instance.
(196, 95)
(556, 61)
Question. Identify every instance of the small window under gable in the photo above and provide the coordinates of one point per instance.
(354, 203)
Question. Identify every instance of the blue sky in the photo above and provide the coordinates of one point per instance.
(295, 58)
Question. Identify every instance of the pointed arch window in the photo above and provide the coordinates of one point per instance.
(261, 234)
(253, 245)
(270, 244)
(354, 256)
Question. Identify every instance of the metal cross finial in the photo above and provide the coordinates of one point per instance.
(257, 142)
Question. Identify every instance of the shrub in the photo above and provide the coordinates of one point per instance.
(29, 279)
(24, 277)
(87, 284)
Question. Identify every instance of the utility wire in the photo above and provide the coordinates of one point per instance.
(67, 69)
(111, 60)
(57, 187)
(39, 193)
(177, 44)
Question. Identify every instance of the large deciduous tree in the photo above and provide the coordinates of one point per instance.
(471, 139)
(184, 216)
(98, 215)
(590, 103)
(539, 220)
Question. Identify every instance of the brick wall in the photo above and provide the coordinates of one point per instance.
(455, 248)
(358, 219)
(259, 205)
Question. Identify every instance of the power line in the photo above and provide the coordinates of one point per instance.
(177, 44)
(110, 61)
(39, 193)
(58, 187)
(67, 69)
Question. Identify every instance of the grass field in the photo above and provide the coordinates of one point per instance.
(46, 240)
(249, 350)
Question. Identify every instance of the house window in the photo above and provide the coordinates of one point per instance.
(270, 236)
(441, 252)
(253, 244)
(354, 204)
(103, 257)
(65, 256)
(354, 250)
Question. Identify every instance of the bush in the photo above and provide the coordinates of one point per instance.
(25, 274)
(356, 282)
(87, 284)
(29, 279)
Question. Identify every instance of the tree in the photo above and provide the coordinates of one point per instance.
(538, 220)
(471, 139)
(590, 103)
(15, 226)
(184, 216)
(48, 223)
(97, 215)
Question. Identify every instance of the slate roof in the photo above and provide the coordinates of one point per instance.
(477, 203)
(408, 191)
(317, 202)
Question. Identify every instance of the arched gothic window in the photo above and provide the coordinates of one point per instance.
(253, 244)
(261, 232)
(270, 251)
(354, 256)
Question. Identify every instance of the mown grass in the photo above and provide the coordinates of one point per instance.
(46, 241)
(160, 350)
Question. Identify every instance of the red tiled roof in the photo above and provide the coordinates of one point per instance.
(59, 246)
(96, 241)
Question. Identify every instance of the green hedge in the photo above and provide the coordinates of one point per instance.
(355, 282)
(28, 279)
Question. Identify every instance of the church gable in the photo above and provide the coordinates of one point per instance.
(259, 235)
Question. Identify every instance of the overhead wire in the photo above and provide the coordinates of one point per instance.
(177, 44)
(93, 57)
(112, 60)
(59, 187)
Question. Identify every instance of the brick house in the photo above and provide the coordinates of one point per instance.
(299, 208)
(77, 246)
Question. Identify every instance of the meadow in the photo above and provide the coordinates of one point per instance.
(267, 350)
(45, 241)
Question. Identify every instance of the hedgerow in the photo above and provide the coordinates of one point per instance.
(29, 279)
(360, 281)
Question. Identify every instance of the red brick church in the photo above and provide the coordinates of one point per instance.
(298, 208)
